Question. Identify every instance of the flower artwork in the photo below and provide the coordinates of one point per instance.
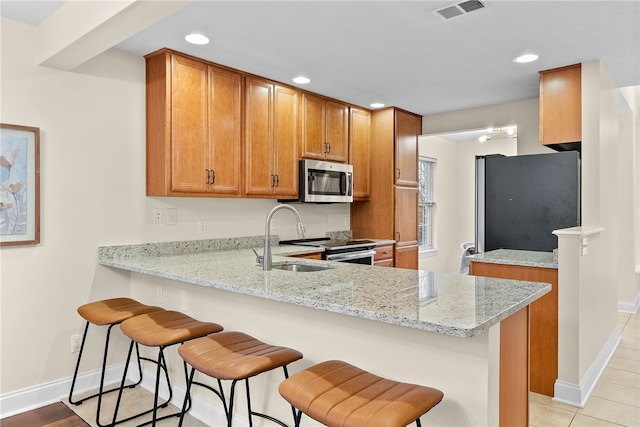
(19, 185)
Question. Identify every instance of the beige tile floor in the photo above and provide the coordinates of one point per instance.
(615, 400)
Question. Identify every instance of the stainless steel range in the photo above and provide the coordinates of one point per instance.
(357, 251)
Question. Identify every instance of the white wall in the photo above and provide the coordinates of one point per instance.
(524, 113)
(92, 124)
(629, 157)
(454, 178)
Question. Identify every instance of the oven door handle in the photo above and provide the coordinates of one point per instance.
(350, 255)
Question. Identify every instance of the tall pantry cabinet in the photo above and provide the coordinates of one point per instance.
(392, 209)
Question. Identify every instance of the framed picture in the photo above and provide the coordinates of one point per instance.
(19, 185)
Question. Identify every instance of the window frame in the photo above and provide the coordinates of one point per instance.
(426, 206)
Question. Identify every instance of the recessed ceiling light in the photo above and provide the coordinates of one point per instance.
(523, 59)
(376, 105)
(196, 39)
(301, 80)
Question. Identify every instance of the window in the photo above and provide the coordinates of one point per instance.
(426, 202)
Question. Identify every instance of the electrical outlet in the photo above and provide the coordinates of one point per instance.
(202, 226)
(274, 224)
(157, 216)
(76, 341)
(159, 294)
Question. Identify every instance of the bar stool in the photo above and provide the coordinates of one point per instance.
(108, 312)
(336, 393)
(160, 329)
(234, 356)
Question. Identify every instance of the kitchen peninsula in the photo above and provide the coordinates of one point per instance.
(536, 266)
(467, 336)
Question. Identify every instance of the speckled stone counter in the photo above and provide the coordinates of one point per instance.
(449, 304)
(515, 257)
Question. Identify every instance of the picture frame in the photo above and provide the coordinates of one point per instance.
(19, 185)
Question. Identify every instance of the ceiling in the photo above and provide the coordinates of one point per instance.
(394, 52)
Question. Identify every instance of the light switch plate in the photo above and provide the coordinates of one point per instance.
(172, 216)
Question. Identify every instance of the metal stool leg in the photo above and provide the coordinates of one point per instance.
(101, 390)
(75, 373)
(161, 366)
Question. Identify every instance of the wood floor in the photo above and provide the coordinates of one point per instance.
(54, 415)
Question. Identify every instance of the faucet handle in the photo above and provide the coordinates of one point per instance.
(259, 259)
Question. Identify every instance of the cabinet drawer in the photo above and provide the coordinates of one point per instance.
(383, 252)
(384, 263)
(312, 255)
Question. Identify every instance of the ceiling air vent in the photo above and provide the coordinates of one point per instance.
(457, 9)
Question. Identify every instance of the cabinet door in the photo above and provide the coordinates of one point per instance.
(336, 131)
(407, 257)
(406, 216)
(407, 131)
(313, 123)
(189, 133)
(286, 136)
(259, 175)
(360, 152)
(561, 105)
(225, 131)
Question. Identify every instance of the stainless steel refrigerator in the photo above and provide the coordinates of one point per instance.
(520, 200)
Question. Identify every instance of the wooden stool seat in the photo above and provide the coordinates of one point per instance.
(235, 355)
(336, 393)
(113, 311)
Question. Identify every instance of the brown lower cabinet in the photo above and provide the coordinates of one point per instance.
(543, 320)
(384, 256)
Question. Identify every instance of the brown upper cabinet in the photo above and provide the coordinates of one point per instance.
(360, 151)
(325, 125)
(408, 127)
(561, 107)
(213, 131)
(194, 127)
(271, 134)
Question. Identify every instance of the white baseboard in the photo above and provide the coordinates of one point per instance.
(578, 394)
(45, 394)
(208, 411)
(629, 306)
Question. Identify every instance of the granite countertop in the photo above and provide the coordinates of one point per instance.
(450, 304)
(517, 257)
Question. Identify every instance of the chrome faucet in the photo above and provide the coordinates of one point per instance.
(266, 253)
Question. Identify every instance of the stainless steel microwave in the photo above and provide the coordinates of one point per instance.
(325, 182)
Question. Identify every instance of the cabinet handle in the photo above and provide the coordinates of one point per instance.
(384, 252)
(398, 173)
(273, 180)
(208, 176)
(277, 180)
(398, 234)
(328, 146)
(213, 176)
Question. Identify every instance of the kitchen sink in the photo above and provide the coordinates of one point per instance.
(303, 268)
